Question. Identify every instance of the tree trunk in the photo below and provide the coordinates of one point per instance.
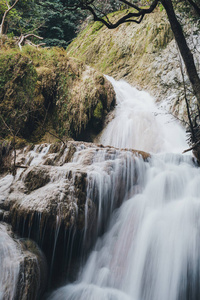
(184, 49)
(2, 23)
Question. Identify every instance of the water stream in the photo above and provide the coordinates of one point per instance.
(150, 250)
(10, 259)
(139, 123)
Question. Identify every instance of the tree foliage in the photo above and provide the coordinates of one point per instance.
(60, 28)
(47, 20)
(23, 17)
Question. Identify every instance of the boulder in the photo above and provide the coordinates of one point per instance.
(65, 195)
(23, 267)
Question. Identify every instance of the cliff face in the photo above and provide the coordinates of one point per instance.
(125, 52)
(143, 54)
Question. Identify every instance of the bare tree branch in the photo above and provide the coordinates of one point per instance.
(5, 14)
(34, 45)
(192, 147)
(195, 6)
(24, 37)
(136, 17)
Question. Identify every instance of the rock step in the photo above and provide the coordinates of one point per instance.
(5, 216)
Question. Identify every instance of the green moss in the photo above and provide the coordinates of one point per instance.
(18, 79)
(98, 112)
(126, 49)
(14, 69)
(46, 90)
(96, 27)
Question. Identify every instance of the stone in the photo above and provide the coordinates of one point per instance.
(23, 269)
(69, 202)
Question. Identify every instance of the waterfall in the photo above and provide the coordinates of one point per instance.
(140, 124)
(150, 250)
(10, 259)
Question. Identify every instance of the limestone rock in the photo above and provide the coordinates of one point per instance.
(68, 200)
(23, 272)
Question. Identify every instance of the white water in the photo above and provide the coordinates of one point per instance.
(151, 248)
(10, 260)
(140, 124)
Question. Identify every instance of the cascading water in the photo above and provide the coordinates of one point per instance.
(151, 248)
(9, 264)
(140, 124)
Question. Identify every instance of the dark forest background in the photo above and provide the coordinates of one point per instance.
(57, 26)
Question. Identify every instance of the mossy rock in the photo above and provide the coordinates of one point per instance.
(46, 91)
(98, 112)
(18, 90)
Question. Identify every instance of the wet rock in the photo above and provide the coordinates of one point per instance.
(1, 214)
(55, 148)
(65, 205)
(58, 194)
(143, 154)
(49, 162)
(7, 217)
(35, 178)
(33, 273)
(23, 269)
(70, 153)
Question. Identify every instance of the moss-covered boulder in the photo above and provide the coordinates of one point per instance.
(45, 90)
(18, 108)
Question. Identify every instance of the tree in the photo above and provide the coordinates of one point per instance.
(9, 7)
(17, 16)
(183, 48)
(27, 18)
(60, 26)
(21, 18)
(136, 13)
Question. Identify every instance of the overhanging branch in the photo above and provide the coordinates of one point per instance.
(129, 17)
(24, 37)
(98, 15)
